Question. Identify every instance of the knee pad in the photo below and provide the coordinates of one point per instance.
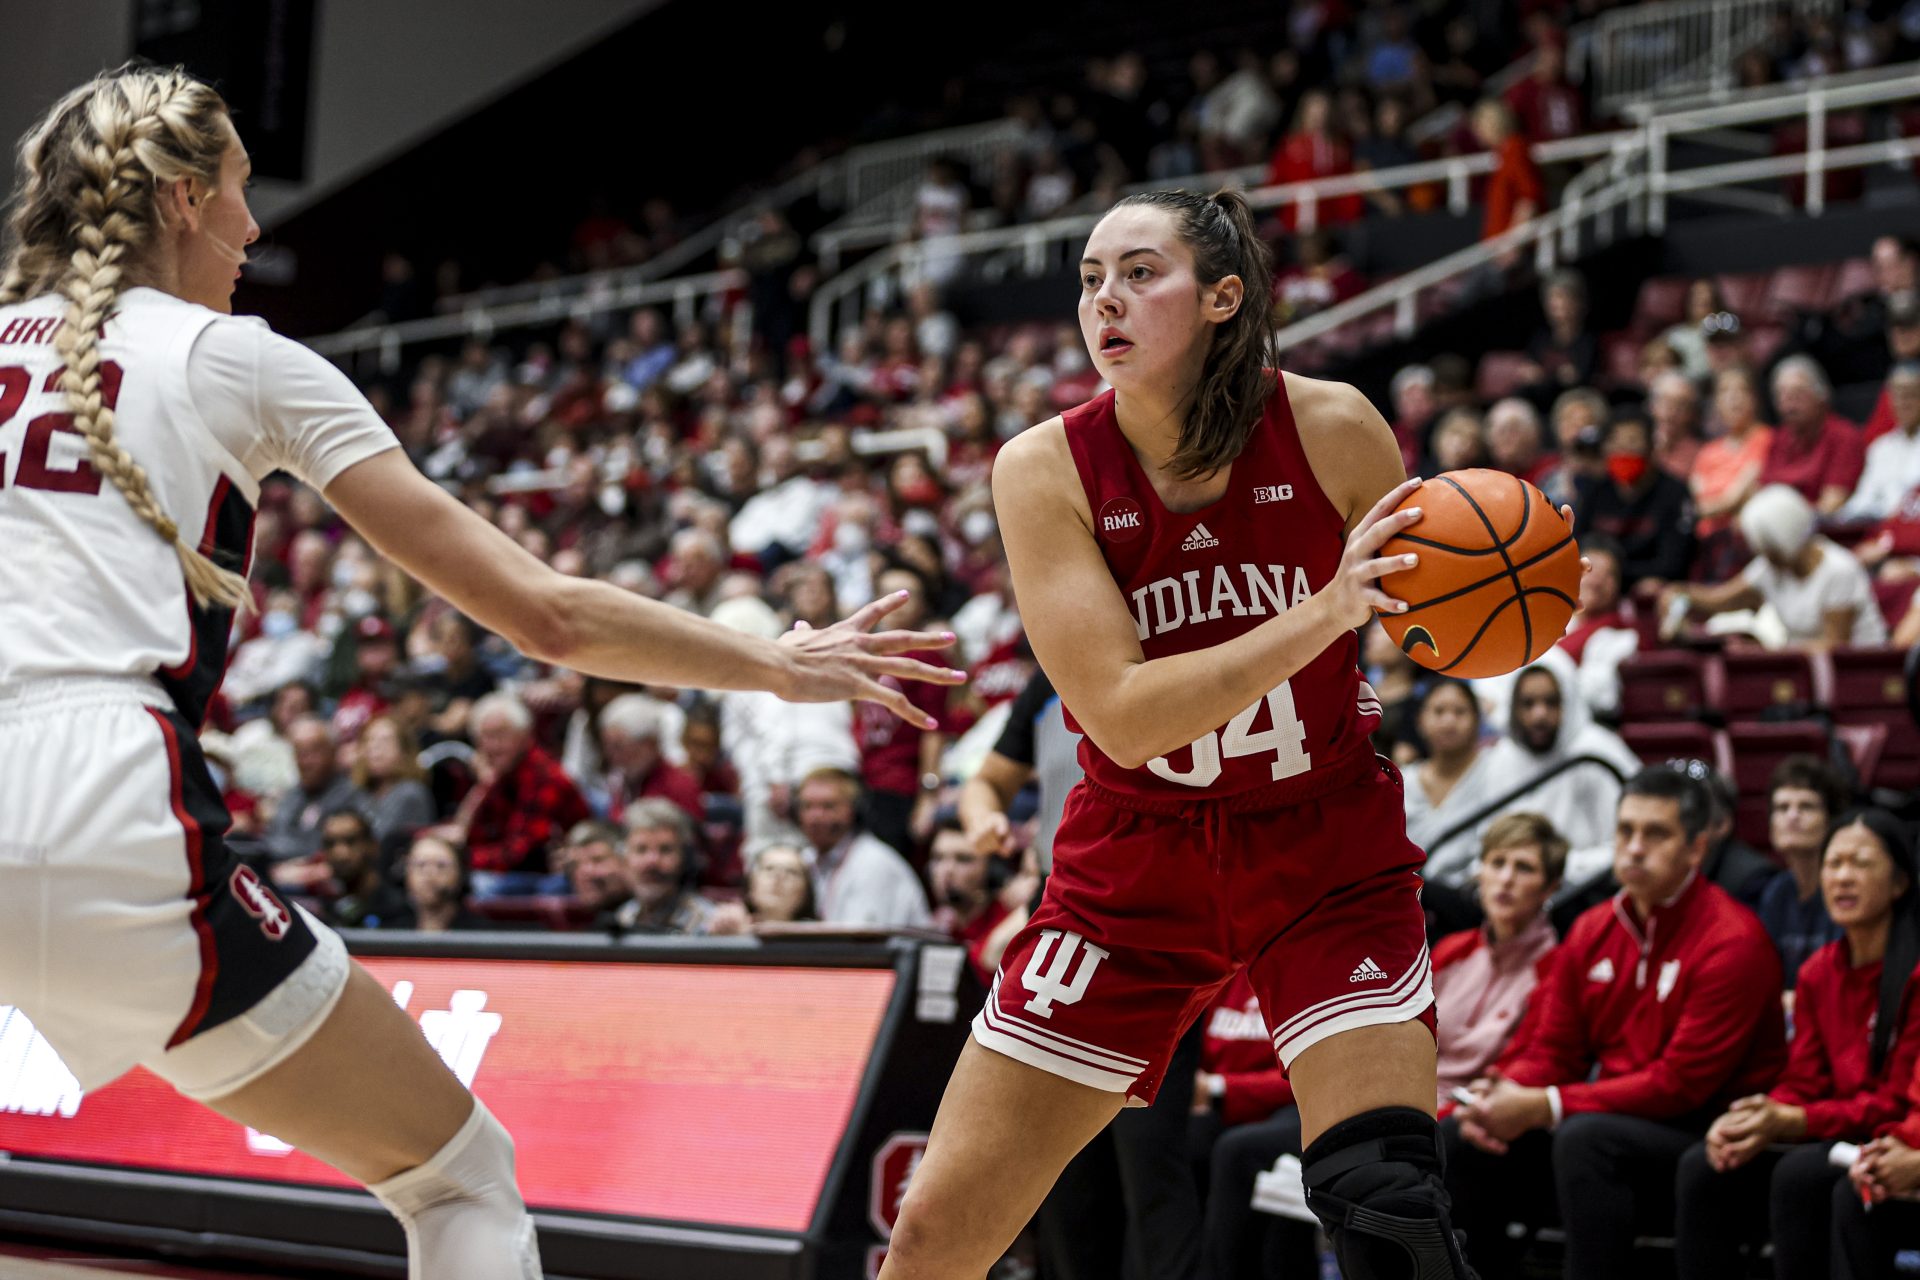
(462, 1211)
(1375, 1181)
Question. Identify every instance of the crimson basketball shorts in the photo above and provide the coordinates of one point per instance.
(1152, 907)
(129, 933)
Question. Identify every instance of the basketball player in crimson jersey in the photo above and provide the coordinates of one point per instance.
(1193, 551)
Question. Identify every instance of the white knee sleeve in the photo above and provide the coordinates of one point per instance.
(462, 1211)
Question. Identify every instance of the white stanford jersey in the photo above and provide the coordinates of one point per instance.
(208, 404)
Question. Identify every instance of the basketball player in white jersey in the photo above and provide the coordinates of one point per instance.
(137, 419)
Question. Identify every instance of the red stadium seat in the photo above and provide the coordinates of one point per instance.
(1855, 277)
(1678, 740)
(1797, 289)
(1665, 685)
(1501, 373)
(1753, 684)
(1758, 748)
(1745, 295)
(1662, 301)
(1865, 743)
(1763, 340)
(1620, 358)
(1870, 688)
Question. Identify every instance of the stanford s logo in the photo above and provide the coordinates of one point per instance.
(1051, 983)
(260, 903)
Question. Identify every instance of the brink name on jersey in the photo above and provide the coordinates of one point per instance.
(1167, 604)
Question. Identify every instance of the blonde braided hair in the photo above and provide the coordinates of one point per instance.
(84, 208)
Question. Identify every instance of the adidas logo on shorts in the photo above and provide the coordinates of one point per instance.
(1367, 971)
(1199, 539)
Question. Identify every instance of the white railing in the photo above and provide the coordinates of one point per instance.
(1036, 247)
(1638, 178)
(1677, 46)
(688, 297)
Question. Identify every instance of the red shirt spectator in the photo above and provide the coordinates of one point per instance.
(1238, 1049)
(1514, 188)
(1676, 1012)
(1829, 1071)
(1832, 458)
(1310, 152)
(1545, 105)
(525, 802)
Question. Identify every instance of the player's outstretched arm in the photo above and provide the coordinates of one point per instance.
(1086, 639)
(602, 630)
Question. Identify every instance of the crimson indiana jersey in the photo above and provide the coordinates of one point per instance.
(1198, 579)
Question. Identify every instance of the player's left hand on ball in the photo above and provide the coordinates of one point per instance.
(1566, 513)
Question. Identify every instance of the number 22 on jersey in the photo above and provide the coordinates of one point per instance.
(1287, 739)
(34, 471)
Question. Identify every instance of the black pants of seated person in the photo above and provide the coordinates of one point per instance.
(1126, 1207)
(1606, 1178)
(1241, 1242)
(1782, 1196)
(1864, 1243)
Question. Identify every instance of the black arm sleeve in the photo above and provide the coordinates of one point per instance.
(1016, 740)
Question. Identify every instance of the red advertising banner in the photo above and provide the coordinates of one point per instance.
(699, 1092)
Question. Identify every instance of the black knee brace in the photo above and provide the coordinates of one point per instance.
(1375, 1182)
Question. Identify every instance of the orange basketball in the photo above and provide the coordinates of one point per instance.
(1498, 578)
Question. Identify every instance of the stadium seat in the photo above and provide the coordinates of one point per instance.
(1620, 358)
(1501, 373)
(1797, 289)
(1666, 684)
(1855, 277)
(1678, 740)
(1763, 341)
(1758, 748)
(1745, 295)
(1661, 303)
(1865, 743)
(1754, 684)
(1870, 688)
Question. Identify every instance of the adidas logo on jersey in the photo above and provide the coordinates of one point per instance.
(1367, 971)
(1199, 539)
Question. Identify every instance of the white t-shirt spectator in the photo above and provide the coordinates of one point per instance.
(863, 881)
(1892, 472)
(1837, 582)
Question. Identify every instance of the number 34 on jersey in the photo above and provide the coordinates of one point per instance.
(1285, 736)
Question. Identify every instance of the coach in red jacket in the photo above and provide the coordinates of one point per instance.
(1662, 1008)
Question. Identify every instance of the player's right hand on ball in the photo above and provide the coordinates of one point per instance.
(1354, 594)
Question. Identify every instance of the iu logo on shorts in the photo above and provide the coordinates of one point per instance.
(1065, 980)
(260, 903)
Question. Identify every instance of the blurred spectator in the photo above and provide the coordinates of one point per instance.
(376, 656)
(784, 514)
(633, 729)
(965, 884)
(1545, 105)
(523, 804)
(436, 873)
(1459, 442)
(1733, 864)
(358, 896)
(1673, 402)
(900, 762)
(1688, 338)
(1386, 147)
(1564, 352)
(1514, 193)
(292, 836)
(939, 214)
(280, 653)
(1903, 347)
(455, 639)
(779, 890)
(1450, 782)
(1803, 796)
(1548, 725)
(1642, 508)
(1311, 151)
(1411, 394)
(1892, 468)
(1726, 471)
(712, 772)
(859, 880)
(1398, 682)
(1856, 1039)
(1819, 593)
(1237, 115)
(1462, 66)
(1659, 1007)
(1514, 443)
(661, 869)
(1814, 450)
(387, 770)
(1600, 637)
(1318, 279)
(1579, 417)
(694, 568)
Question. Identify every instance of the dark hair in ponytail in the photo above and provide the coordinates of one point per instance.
(1903, 930)
(1240, 372)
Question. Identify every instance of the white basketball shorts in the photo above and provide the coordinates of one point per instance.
(129, 933)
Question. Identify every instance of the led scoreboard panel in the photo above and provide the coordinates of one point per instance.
(700, 1095)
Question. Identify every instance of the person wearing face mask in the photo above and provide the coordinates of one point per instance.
(1856, 1039)
(281, 653)
(1638, 505)
(1819, 591)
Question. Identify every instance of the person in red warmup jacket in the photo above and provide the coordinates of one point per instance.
(1855, 1041)
(1662, 1008)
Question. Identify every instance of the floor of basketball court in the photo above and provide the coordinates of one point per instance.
(36, 1262)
